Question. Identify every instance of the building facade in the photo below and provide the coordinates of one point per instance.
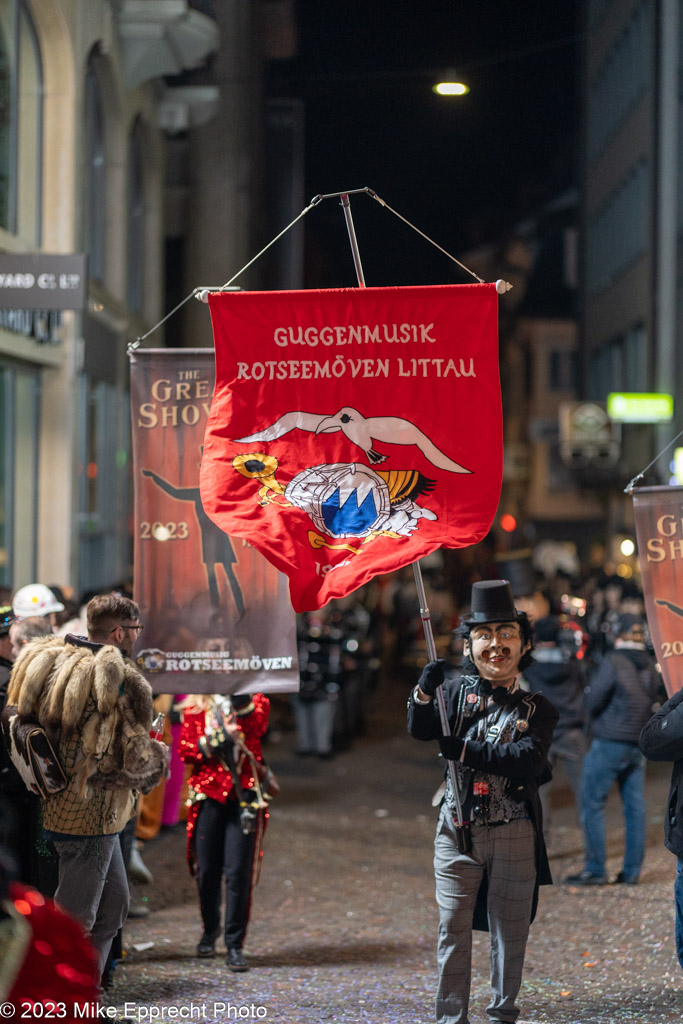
(106, 150)
(632, 282)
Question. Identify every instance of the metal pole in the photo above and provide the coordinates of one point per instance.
(440, 699)
(424, 610)
(352, 239)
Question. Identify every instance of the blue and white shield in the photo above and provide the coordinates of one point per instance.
(343, 499)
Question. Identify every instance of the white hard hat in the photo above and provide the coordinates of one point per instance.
(35, 599)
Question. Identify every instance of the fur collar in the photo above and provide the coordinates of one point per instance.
(55, 680)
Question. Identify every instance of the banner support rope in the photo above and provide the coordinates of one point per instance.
(202, 292)
(417, 571)
(632, 484)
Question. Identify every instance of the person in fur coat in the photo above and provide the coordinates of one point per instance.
(97, 708)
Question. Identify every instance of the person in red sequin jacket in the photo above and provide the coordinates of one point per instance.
(221, 740)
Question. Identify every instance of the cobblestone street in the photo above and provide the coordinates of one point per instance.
(344, 920)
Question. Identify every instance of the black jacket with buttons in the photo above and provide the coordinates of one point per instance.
(523, 761)
(662, 740)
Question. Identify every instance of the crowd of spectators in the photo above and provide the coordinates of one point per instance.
(590, 636)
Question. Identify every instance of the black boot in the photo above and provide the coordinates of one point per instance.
(236, 960)
(207, 943)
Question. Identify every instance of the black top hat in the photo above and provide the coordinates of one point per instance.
(240, 700)
(491, 602)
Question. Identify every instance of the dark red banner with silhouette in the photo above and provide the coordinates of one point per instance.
(216, 613)
(658, 513)
(354, 430)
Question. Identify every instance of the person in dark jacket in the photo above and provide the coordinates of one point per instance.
(7, 617)
(36, 859)
(662, 740)
(488, 863)
(619, 702)
(556, 674)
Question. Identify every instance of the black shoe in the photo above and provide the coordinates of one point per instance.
(207, 943)
(236, 960)
(621, 879)
(585, 878)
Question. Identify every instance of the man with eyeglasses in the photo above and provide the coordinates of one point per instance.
(98, 707)
(489, 855)
(124, 635)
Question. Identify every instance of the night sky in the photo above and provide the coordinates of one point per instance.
(462, 169)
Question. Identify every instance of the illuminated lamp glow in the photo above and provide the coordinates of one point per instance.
(627, 547)
(508, 523)
(451, 89)
(92, 470)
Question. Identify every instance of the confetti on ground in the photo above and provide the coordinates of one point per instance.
(344, 922)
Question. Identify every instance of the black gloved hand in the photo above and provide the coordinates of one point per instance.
(432, 677)
(451, 747)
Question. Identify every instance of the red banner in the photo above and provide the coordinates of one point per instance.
(215, 612)
(658, 513)
(353, 431)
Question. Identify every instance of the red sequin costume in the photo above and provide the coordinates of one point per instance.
(217, 844)
(45, 958)
(210, 778)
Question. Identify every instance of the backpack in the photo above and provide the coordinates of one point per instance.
(31, 752)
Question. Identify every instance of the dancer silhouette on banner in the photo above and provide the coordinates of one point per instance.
(217, 547)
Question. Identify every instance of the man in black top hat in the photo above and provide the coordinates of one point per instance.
(489, 861)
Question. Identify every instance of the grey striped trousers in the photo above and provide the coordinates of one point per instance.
(506, 854)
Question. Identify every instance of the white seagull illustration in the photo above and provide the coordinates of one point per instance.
(361, 431)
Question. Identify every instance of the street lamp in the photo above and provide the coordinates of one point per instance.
(450, 86)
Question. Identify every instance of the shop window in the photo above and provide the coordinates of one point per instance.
(564, 370)
(95, 173)
(19, 404)
(136, 220)
(624, 76)
(104, 542)
(21, 123)
(29, 132)
(620, 365)
(6, 177)
(617, 233)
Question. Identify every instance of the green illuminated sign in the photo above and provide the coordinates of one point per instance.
(632, 407)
